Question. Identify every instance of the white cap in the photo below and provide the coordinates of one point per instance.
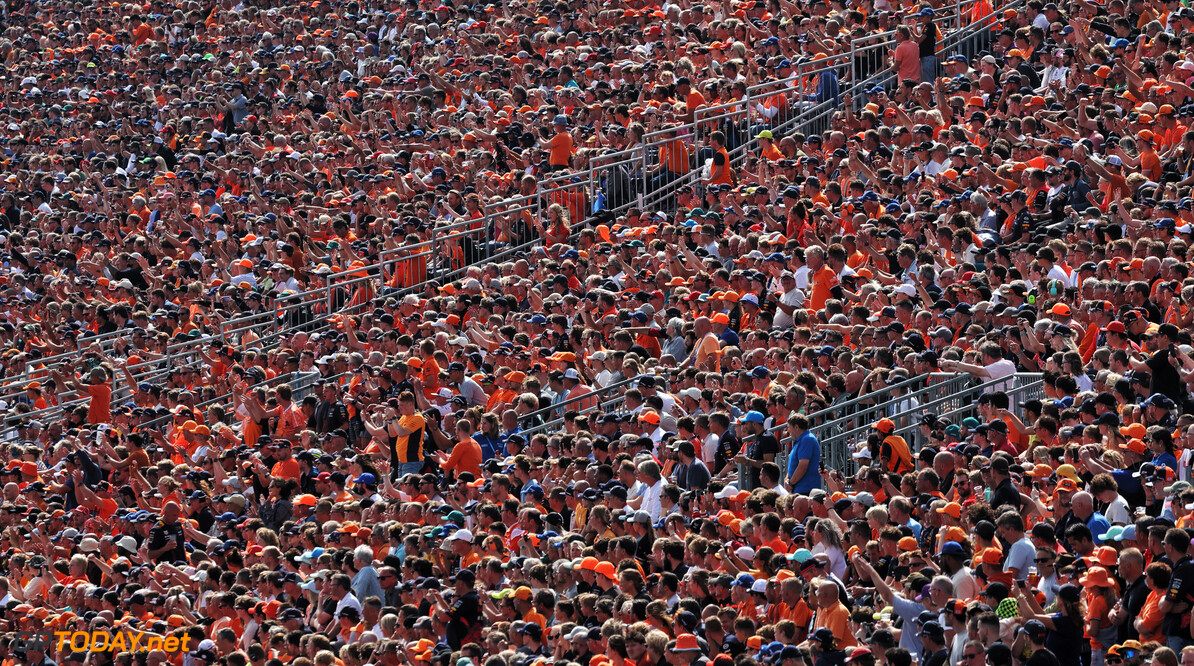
(726, 493)
(570, 373)
(760, 585)
(745, 553)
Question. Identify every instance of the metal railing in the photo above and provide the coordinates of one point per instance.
(313, 310)
(552, 417)
(842, 428)
(863, 67)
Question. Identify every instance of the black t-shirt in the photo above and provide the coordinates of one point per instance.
(764, 445)
(1133, 601)
(938, 658)
(727, 448)
(161, 535)
(1181, 590)
(463, 614)
(1062, 638)
(1042, 657)
(1165, 379)
(132, 274)
(928, 40)
(831, 658)
(1005, 494)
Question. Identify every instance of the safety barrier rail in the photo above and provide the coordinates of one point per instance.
(578, 191)
(843, 427)
(964, 27)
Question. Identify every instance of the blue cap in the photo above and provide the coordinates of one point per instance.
(227, 515)
(744, 580)
(538, 319)
(532, 489)
(777, 257)
(1121, 43)
(760, 372)
(367, 479)
(892, 208)
(927, 11)
(208, 193)
(952, 548)
(827, 350)
(560, 119)
(752, 417)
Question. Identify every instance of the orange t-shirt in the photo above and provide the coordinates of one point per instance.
(465, 457)
(823, 282)
(287, 469)
(836, 618)
(560, 148)
(99, 410)
(290, 421)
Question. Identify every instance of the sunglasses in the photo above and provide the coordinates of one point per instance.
(972, 655)
(1043, 560)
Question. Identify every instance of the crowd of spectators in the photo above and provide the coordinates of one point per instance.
(344, 333)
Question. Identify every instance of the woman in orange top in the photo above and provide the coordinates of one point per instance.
(1148, 622)
(557, 228)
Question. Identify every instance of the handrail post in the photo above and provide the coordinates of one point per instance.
(854, 73)
(642, 194)
(800, 83)
(433, 256)
(330, 300)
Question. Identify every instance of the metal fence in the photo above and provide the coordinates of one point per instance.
(843, 427)
(620, 180)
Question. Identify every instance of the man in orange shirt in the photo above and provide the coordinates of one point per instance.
(833, 615)
(559, 146)
(466, 455)
(822, 280)
(286, 467)
(289, 413)
(693, 99)
(673, 161)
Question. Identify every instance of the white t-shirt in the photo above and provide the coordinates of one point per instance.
(1117, 512)
(801, 277)
(709, 449)
(794, 298)
(1019, 557)
(1000, 369)
(651, 503)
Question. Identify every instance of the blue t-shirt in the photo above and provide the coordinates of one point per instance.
(806, 448)
(1167, 459)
